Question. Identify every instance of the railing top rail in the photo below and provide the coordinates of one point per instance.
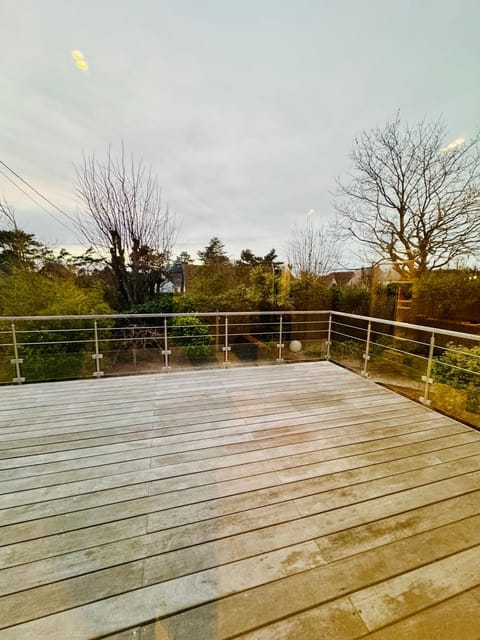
(213, 314)
(110, 316)
(408, 325)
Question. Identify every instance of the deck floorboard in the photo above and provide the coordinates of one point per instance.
(298, 501)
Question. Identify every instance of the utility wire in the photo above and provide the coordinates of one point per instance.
(64, 213)
(40, 205)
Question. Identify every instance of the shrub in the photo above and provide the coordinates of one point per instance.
(447, 294)
(352, 300)
(191, 334)
(458, 367)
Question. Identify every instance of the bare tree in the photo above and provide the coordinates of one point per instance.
(410, 198)
(312, 249)
(7, 212)
(123, 214)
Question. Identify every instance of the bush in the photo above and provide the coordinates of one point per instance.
(458, 367)
(352, 300)
(447, 294)
(191, 334)
(309, 292)
(347, 349)
(162, 304)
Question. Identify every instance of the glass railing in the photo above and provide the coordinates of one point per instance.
(440, 368)
(45, 348)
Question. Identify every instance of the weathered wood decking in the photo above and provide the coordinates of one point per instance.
(297, 501)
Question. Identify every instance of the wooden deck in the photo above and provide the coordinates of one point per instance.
(297, 501)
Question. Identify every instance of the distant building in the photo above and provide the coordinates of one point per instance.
(179, 276)
(363, 277)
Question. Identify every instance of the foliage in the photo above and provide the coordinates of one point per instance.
(18, 249)
(247, 257)
(191, 334)
(458, 367)
(214, 253)
(163, 303)
(458, 403)
(350, 299)
(253, 282)
(347, 349)
(30, 293)
(53, 352)
(309, 292)
(265, 291)
(383, 302)
(447, 294)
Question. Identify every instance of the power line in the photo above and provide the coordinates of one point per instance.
(64, 213)
(38, 204)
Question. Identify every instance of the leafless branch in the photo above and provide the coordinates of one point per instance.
(409, 199)
(312, 249)
(122, 212)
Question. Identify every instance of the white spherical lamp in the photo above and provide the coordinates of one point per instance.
(295, 346)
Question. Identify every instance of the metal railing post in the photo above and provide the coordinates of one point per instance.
(217, 333)
(427, 378)
(226, 348)
(366, 355)
(280, 344)
(165, 351)
(329, 335)
(97, 356)
(16, 360)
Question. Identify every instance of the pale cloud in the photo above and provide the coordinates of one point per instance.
(246, 111)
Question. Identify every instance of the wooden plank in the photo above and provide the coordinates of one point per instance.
(118, 424)
(234, 413)
(250, 610)
(355, 483)
(83, 622)
(455, 619)
(162, 484)
(263, 430)
(243, 442)
(353, 540)
(190, 515)
(149, 432)
(192, 510)
(30, 473)
(415, 590)
(321, 584)
(70, 545)
(336, 620)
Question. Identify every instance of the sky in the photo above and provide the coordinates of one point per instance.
(246, 110)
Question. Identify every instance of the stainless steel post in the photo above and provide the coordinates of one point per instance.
(226, 348)
(97, 356)
(329, 335)
(280, 344)
(366, 355)
(427, 378)
(16, 360)
(165, 351)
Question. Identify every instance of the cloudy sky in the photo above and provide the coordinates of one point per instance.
(246, 109)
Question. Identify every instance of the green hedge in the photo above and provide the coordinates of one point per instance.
(191, 334)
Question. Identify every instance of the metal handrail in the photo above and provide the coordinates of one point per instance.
(109, 316)
(408, 325)
(113, 316)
